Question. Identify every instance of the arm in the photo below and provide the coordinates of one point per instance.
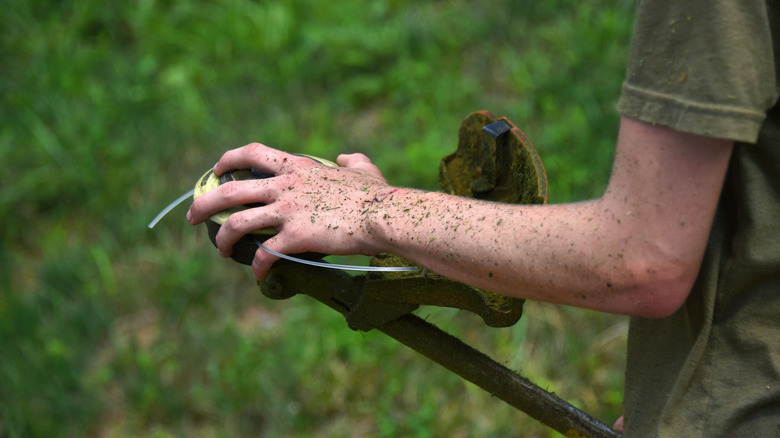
(636, 250)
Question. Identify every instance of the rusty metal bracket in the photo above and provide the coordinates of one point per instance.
(494, 161)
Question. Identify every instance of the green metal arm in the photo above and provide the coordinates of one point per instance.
(344, 293)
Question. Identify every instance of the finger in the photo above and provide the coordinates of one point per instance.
(263, 259)
(618, 426)
(359, 162)
(262, 263)
(351, 160)
(242, 223)
(229, 195)
(258, 156)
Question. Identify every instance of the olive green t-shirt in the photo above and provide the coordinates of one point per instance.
(712, 369)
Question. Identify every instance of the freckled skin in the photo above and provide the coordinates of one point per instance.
(636, 250)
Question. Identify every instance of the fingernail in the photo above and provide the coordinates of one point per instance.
(189, 216)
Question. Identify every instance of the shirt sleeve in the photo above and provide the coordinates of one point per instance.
(705, 67)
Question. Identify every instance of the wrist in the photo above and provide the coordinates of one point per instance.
(395, 218)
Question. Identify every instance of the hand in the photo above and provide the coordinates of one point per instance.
(618, 426)
(313, 207)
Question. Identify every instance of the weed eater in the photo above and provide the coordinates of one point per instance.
(494, 161)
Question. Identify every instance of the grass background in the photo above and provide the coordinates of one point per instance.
(110, 110)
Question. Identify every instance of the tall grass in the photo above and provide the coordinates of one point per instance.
(110, 110)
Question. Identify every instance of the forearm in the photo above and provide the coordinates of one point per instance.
(636, 250)
(577, 254)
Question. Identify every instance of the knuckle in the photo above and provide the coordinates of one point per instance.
(285, 208)
(258, 150)
(197, 204)
(254, 146)
(236, 223)
(231, 192)
(293, 234)
(229, 155)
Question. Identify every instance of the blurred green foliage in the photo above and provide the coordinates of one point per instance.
(110, 110)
